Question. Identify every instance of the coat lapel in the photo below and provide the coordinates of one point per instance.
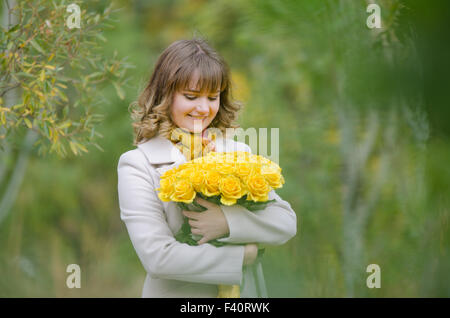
(161, 152)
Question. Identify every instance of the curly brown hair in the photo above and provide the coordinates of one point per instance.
(172, 73)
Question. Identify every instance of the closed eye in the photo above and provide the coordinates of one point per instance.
(192, 97)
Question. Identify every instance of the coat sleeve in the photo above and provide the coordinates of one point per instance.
(274, 225)
(160, 254)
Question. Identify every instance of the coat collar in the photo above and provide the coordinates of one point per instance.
(161, 151)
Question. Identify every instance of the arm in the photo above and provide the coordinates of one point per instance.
(274, 225)
(160, 254)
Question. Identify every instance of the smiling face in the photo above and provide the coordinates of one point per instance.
(193, 109)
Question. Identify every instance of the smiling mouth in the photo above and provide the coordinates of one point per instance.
(199, 118)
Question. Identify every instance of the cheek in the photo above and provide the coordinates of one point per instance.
(215, 108)
(180, 107)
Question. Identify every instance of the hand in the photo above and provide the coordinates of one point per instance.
(208, 142)
(250, 253)
(211, 223)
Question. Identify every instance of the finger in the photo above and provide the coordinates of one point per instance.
(206, 135)
(204, 202)
(211, 146)
(203, 240)
(191, 215)
(206, 141)
(200, 200)
(196, 231)
(193, 223)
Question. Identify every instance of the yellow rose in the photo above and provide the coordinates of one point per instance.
(258, 188)
(198, 180)
(166, 187)
(170, 172)
(275, 166)
(213, 154)
(242, 156)
(208, 166)
(183, 191)
(227, 158)
(243, 169)
(210, 158)
(225, 168)
(256, 168)
(231, 189)
(186, 172)
(263, 160)
(272, 176)
(211, 184)
(185, 165)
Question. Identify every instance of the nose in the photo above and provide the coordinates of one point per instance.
(202, 106)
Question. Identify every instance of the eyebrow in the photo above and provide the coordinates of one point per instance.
(190, 90)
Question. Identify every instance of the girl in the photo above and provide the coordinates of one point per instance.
(188, 92)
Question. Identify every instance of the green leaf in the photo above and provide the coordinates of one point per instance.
(255, 206)
(46, 130)
(184, 235)
(65, 111)
(73, 148)
(199, 206)
(80, 146)
(216, 243)
(17, 106)
(98, 147)
(101, 37)
(14, 28)
(261, 252)
(28, 123)
(94, 74)
(214, 199)
(36, 46)
(65, 124)
(26, 74)
(119, 90)
(194, 206)
(62, 96)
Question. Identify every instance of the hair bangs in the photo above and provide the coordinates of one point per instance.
(209, 76)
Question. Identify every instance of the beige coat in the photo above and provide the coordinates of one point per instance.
(178, 270)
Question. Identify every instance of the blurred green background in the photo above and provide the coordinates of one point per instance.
(364, 147)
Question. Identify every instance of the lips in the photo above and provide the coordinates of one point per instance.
(198, 117)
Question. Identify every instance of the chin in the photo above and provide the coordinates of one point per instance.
(190, 126)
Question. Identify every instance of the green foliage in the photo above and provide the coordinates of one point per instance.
(58, 72)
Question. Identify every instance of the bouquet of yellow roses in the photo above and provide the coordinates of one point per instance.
(222, 178)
